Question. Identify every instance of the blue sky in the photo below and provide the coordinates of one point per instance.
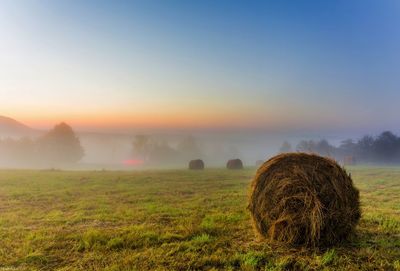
(325, 66)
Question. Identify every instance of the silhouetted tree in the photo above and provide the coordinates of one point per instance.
(386, 147)
(365, 149)
(347, 147)
(163, 153)
(324, 148)
(142, 146)
(60, 145)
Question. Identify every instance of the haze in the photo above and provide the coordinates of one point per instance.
(248, 75)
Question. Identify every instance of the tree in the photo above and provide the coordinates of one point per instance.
(384, 148)
(324, 148)
(163, 154)
(60, 145)
(321, 147)
(365, 148)
(387, 147)
(348, 147)
(189, 148)
(142, 146)
(286, 147)
(306, 146)
(154, 151)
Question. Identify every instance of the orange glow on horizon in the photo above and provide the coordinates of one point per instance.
(141, 121)
(189, 116)
(207, 118)
(225, 118)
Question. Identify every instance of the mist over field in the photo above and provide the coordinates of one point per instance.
(64, 148)
(115, 150)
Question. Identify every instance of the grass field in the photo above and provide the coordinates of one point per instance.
(173, 220)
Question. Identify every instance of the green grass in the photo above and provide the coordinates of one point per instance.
(173, 220)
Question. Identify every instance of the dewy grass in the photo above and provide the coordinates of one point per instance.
(173, 220)
(328, 257)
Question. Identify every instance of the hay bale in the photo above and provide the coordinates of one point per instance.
(303, 199)
(234, 164)
(197, 164)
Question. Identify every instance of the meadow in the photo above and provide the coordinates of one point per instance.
(174, 220)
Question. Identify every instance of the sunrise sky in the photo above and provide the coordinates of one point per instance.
(168, 64)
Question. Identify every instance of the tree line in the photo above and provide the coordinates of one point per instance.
(158, 151)
(59, 146)
(384, 148)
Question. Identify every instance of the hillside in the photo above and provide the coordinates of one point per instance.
(12, 128)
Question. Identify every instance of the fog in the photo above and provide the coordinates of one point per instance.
(63, 147)
(174, 150)
(24, 147)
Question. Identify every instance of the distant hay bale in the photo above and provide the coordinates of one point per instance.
(197, 164)
(234, 164)
(303, 199)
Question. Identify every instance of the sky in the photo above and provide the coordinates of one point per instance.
(279, 66)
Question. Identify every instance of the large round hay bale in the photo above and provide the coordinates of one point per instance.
(303, 199)
(234, 164)
(197, 164)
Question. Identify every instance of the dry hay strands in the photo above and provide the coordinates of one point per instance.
(300, 199)
(197, 164)
(234, 164)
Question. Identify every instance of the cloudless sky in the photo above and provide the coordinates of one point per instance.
(262, 65)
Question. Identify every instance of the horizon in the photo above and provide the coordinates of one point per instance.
(258, 137)
(282, 68)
